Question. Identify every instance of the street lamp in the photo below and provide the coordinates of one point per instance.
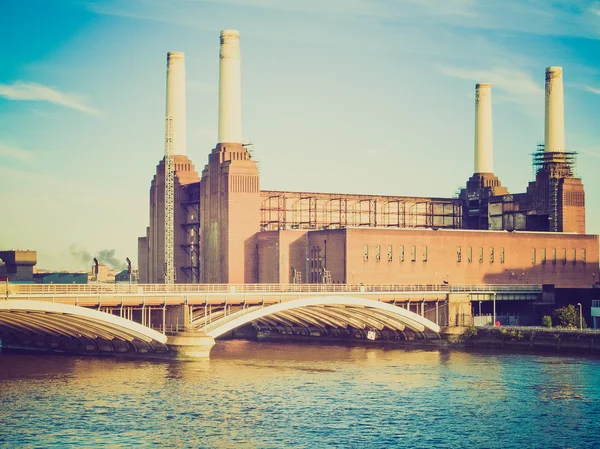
(580, 315)
(128, 268)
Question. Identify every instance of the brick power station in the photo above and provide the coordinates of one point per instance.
(226, 230)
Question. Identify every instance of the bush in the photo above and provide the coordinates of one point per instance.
(470, 332)
(546, 321)
(568, 317)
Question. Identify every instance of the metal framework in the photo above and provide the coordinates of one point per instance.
(297, 210)
(549, 169)
(169, 204)
(191, 228)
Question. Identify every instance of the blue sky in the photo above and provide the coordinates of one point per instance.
(353, 96)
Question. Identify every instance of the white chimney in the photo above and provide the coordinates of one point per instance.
(484, 149)
(176, 100)
(554, 137)
(230, 89)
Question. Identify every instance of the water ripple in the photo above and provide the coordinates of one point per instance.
(256, 395)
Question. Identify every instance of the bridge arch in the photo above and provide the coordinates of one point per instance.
(57, 326)
(322, 311)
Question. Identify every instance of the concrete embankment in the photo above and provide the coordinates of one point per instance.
(565, 341)
(526, 339)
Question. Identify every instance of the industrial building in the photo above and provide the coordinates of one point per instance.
(217, 226)
(17, 265)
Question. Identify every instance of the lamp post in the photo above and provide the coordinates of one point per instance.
(494, 318)
(96, 264)
(128, 268)
(580, 317)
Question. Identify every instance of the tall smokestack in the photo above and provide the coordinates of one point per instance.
(554, 137)
(230, 89)
(484, 149)
(176, 100)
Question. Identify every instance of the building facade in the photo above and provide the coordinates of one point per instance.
(229, 231)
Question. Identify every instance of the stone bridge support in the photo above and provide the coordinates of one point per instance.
(182, 340)
(459, 310)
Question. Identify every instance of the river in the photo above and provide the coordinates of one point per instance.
(271, 395)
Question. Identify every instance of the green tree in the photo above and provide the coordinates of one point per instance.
(546, 321)
(568, 317)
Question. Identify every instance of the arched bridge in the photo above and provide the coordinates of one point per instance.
(185, 319)
(320, 313)
(62, 327)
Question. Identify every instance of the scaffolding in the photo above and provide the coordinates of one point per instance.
(299, 210)
(169, 205)
(555, 164)
(549, 169)
(191, 232)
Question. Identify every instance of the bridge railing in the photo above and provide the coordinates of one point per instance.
(103, 289)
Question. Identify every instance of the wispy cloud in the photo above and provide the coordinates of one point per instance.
(21, 91)
(566, 17)
(17, 154)
(592, 90)
(147, 9)
(517, 85)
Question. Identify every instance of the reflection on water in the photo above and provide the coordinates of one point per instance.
(261, 395)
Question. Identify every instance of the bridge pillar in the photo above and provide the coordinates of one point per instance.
(178, 319)
(190, 345)
(459, 309)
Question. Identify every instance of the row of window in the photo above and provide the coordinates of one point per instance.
(480, 253)
(553, 255)
(481, 256)
(390, 255)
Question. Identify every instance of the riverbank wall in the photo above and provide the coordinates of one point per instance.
(564, 341)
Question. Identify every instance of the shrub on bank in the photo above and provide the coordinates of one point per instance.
(546, 321)
(568, 317)
(470, 332)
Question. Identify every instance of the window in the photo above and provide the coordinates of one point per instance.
(491, 255)
(377, 253)
(533, 256)
(501, 255)
(402, 253)
(390, 258)
(543, 255)
(458, 254)
(583, 255)
(470, 254)
(366, 253)
(413, 254)
(424, 254)
(480, 254)
(564, 256)
(574, 255)
(554, 255)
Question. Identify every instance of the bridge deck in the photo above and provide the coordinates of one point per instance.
(99, 288)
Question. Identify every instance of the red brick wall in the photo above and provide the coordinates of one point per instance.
(292, 253)
(441, 264)
(268, 257)
(230, 218)
(184, 174)
(571, 207)
(332, 245)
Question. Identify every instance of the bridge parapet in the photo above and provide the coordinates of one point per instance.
(149, 289)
